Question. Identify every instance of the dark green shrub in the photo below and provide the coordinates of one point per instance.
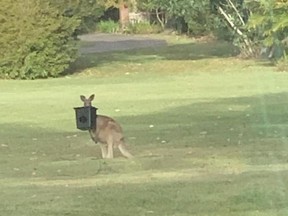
(88, 12)
(36, 40)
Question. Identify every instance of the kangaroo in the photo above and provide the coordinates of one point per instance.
(107, 132)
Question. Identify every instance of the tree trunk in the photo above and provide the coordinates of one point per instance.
(161, 20)
(124, 14)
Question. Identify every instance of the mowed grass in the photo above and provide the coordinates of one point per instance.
(208, 131)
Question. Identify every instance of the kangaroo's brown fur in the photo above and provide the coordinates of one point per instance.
(107, 132)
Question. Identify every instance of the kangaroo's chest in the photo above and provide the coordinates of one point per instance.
(101, 135)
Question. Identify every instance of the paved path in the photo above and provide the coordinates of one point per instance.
(112, 42)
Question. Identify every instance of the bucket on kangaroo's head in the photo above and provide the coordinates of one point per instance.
(85, 117)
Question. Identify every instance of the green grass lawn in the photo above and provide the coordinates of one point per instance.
(208, 131)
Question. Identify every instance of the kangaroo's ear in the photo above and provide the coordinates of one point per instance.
(91, 97)
(82, 97)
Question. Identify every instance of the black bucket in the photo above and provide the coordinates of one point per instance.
(85, 117)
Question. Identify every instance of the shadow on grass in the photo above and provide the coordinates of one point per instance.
(256, 125)
(191, 51)
(251, 123)
(20, 138)
(122, 45)
(213, 195)
(217, 120)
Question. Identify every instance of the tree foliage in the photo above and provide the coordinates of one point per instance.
(247, 23)
(269, 22)
(235, 15)
(157, 6)
(196, 14)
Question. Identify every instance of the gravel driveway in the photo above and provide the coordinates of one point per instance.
(111, 42)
